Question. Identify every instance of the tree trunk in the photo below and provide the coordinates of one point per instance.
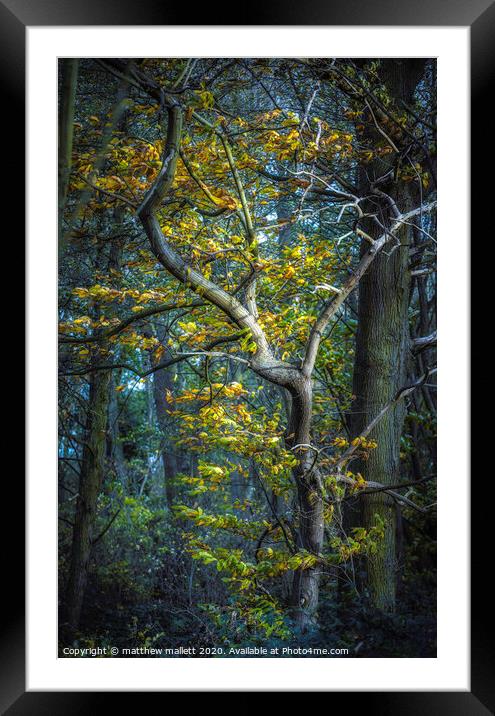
(115, 451)
(92, 469)
(380, 371)
(305, 585)
(68, 69)
(162, 381)
(90, 482)
(380, 368)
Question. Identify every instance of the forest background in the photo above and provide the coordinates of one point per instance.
(247, 295)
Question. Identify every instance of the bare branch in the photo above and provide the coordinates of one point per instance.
(379, 487)
(419, 344)
(400, 395)
(334, 303)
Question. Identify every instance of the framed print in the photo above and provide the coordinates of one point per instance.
(234, 476)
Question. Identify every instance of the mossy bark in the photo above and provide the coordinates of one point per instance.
(90, 482)
(162, 382)
(68, 70)
(380, 368)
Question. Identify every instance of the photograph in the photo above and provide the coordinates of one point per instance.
(247, 357)
(248, 460)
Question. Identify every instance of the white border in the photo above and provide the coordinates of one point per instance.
(450, 670)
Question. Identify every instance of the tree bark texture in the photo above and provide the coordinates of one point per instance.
(65, 130)
(90, 482)
(382, 342)
(305, 587)
(162, 381)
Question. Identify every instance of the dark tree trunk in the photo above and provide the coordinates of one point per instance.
(90, 482)
(92, 467)
(380, 371)
(380, 368)
(114, 443)
(162, 381)
(68, 69)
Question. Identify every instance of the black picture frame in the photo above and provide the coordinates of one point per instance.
(15, 16)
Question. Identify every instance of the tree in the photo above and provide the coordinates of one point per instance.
(382, 340)
(65, 132)
(241, 215)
